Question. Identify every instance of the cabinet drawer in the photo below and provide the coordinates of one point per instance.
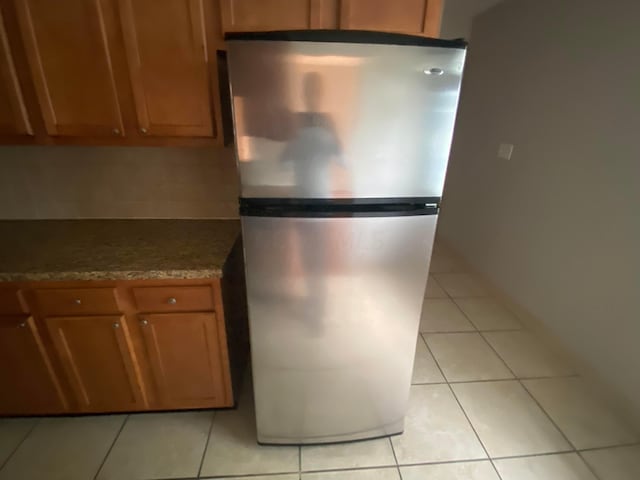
(10, 303)
(173, 299)
(76, 301)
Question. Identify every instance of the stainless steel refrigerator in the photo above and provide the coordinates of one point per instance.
(342, 140)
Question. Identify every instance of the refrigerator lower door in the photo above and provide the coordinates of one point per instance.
(334, 309)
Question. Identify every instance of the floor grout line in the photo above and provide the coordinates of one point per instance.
(620, 445)
(441, 462)
(464, 412)
(235, 475)
(511, 379)
(449, 384)
(415, 464)
(393, 450)
(115, 439)
(589, 467)
(573, 448)
(475, 330)
(33, 427)
(346, 469)
(544, 411)
(206, 445)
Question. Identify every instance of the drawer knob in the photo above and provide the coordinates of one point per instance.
(172, 301)
(22, 325)
(116, 131)
(77, 301)
(143, 131)
(144, 322)
(116, 325)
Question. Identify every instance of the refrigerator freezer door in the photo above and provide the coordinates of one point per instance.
(343, 120)
(334, 309)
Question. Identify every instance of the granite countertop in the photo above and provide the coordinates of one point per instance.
(36, 250)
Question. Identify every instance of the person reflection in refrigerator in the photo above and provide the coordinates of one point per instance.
(312, 150)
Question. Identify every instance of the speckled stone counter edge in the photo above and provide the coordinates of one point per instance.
(85, 250)
(106, 275)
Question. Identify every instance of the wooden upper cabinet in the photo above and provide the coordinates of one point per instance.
(168, 55)
(417, 17)
(13, 114)
(185, 355)
(258, 15)
(97, 357)
(67, 48)
(27, 380)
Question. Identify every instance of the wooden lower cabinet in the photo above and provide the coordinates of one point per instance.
(96, 354)
(171, 345)
(27, 380)
(186, 363)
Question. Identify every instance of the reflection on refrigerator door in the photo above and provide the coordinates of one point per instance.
(334, 307)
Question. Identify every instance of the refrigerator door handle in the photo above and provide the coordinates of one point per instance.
(312, 208)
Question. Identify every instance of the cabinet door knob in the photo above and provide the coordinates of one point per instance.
(172, 301)
(116, 325)
(22, 325)
(143, 130)
(144, 322)
(77, 301)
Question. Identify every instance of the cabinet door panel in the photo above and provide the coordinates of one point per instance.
(418, 17)
(10, 303)
(97, 357)
(256, 15)
(67, 50)
(27, 380)
(13, 113)
(184, 354)
(168, 63)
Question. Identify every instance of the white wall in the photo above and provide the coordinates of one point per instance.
(557, 227)
(458, 14)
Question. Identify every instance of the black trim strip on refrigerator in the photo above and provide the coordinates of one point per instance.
(347, 36)
(329, 202)
(335, 208)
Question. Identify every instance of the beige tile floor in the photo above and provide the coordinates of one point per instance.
(489, 401)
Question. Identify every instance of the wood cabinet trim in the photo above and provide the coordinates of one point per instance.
(208, 321)
(69, 364)
(429, 24)
(26, 325)
(192, 298)
(37, 70)
(226, 14)
(11, 302)
(311, 18)
(39, 76)
(223, 342)
(108, 58)
(315, 14)
(72, 370)
(214, 42)
(45, 358)
(133, 60)
(132, 341)
(432, 18)
(153, 354)
(57, 302)
(199, 55)
(19, 109)
(133, 369)
(344, 14)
